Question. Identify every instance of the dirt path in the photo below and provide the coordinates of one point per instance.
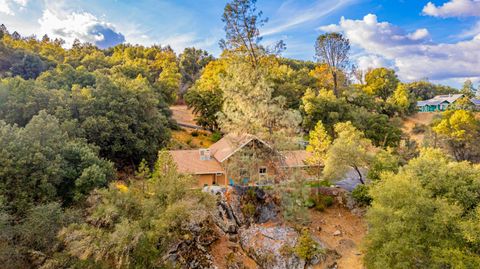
(182, 114)
(352, 228)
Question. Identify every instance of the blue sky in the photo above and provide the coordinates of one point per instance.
(438, 40)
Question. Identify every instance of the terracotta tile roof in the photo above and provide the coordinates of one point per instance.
(188, 161)
(228, 145)
(295, 158)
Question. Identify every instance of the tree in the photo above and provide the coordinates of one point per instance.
(422, 217)
(192, 62)
(379, 128)
(206, 105)
(41, 164)
(122, 118)
(332, 49)
(242, 23)
(384, 161)
(289, 82)
(467, 89)
(325, 80)
(381, 82)
(249, 106)
(325, 107)
(402, 101)
(350, 150)
(141, 221)
(206, 96)
(459, 131)
(424, 90)
(319, 143)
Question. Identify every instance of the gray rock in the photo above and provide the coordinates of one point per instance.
(266, 245)
(337, 233)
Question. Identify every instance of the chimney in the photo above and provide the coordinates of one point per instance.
(204, 154)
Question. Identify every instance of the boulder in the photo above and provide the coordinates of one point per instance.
(268, 246)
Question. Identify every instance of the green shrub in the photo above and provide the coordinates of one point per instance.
(322, 183)
(361, 196)
(320, 207)
(249, 210)
(319, 202)
(310, 202)
(216, 136)
(195, 133)
(328, 200)
(307, 248)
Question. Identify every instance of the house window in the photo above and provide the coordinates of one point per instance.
(262, 171)
(204, 154)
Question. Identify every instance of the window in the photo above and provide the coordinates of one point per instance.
(204, 154)
(262, 171)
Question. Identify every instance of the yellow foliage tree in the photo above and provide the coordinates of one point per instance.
(459, 130)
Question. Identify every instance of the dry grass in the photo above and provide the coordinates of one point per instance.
(184, 139)
(424, 118)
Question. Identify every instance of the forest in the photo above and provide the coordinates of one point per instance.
(86, 180)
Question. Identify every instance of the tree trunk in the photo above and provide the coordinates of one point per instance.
(360, 177)
(335, 84)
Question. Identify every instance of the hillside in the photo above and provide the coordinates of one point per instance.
(418, 119)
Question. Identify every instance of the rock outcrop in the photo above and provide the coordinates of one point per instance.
(194, 250)
(242, 214)
(271, 247)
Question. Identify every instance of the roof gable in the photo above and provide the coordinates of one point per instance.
(231, 143)
(440, 99)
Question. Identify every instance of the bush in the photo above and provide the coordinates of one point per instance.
(249, 210)
(307, 248)
(216, 136)
(317, 184)
(328, 200)
(319, 202)
(419, 128)
(361, 196)
(195, 133)
(320, 207)
(310, 202)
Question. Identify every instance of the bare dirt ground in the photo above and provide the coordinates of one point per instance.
(221, 252)
(424, 118)
(183, 115)
(348, 243)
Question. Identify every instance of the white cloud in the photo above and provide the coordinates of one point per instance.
(473, 31)
(413, 55)
(8, 7)
(79, 25)
(292, 17)
(366, 62)
(454, 8)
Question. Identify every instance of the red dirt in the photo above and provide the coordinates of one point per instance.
(352, 228)
(220, 251)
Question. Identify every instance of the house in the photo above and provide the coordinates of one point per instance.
(476, 103)
(240, 159)
(438, 103)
